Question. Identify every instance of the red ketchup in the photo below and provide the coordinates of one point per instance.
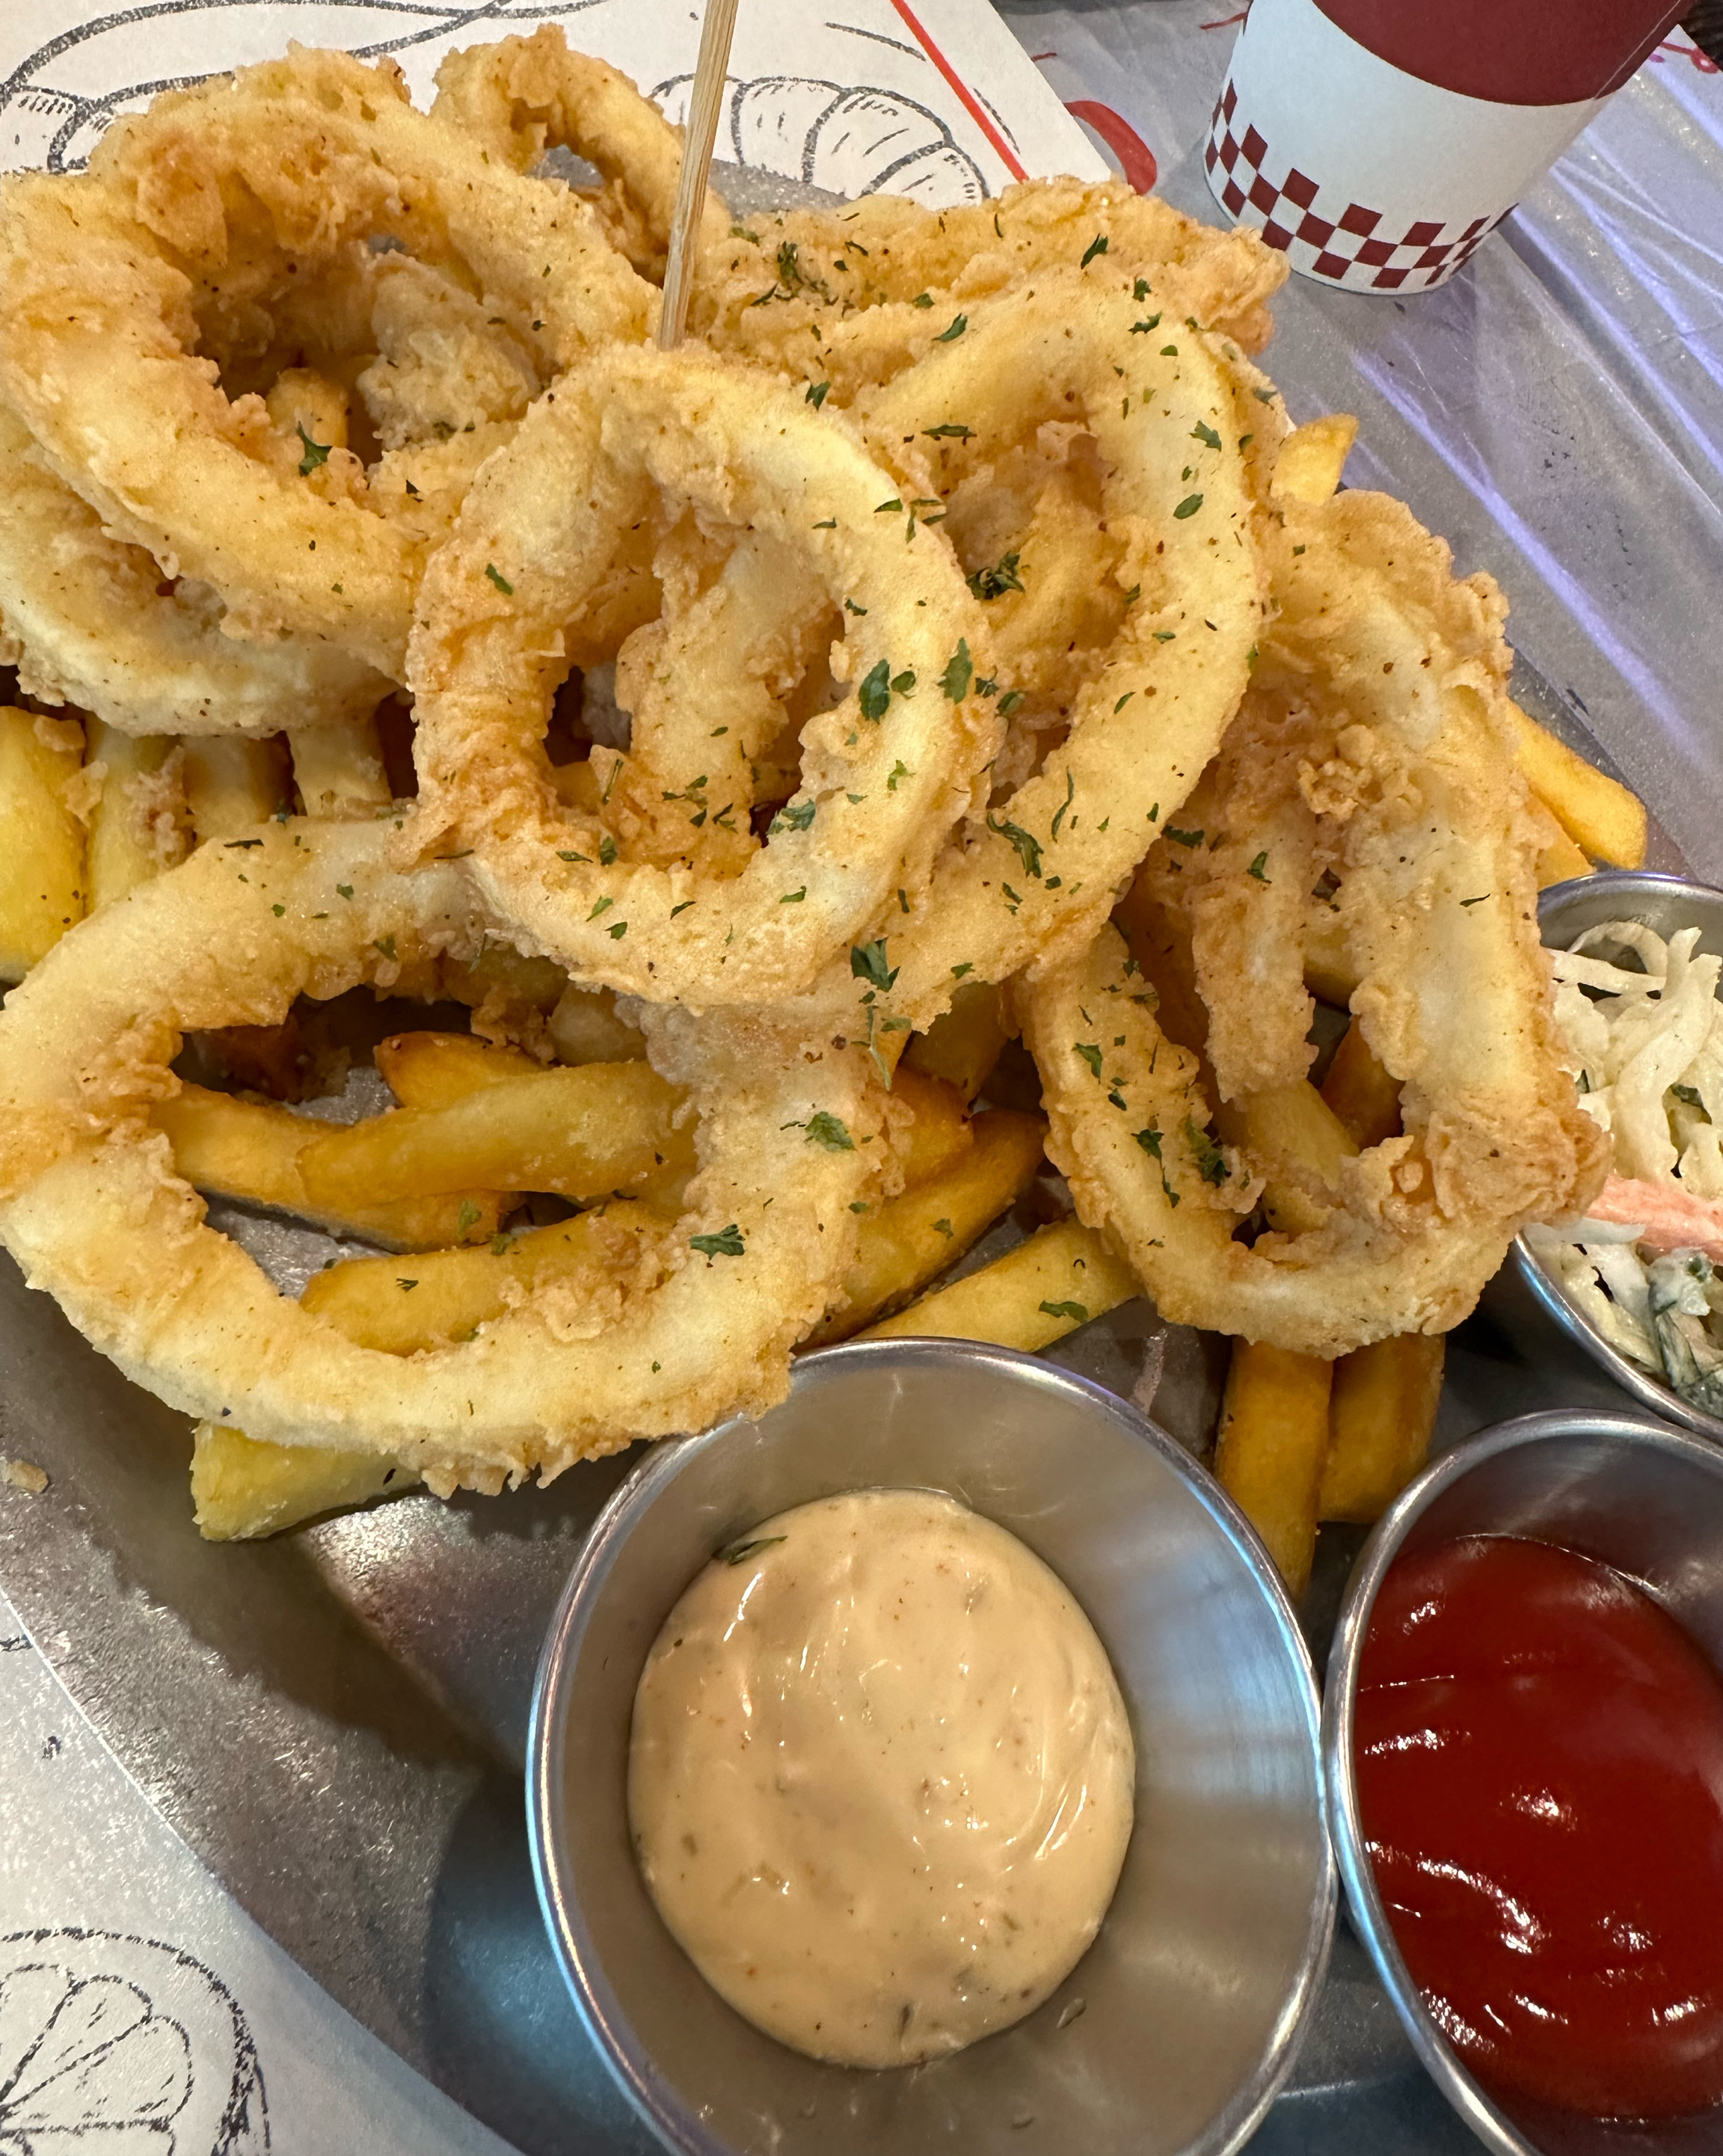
(1540, 1773)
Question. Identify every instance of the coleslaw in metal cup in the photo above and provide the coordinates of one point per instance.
(1172, 2034)
(1566, 911)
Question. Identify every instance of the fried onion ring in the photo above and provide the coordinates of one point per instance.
(285, 170)
(884, 771)
(93, 625)
(1377, 722)
(854, 295)
(1043, 864)
(522, 96)
(93, 1210)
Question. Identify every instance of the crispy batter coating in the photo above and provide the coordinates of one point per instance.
(92, 1209)
(1379, 709)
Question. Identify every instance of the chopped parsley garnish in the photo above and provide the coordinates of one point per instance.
(816, 393)
(899, 770)
(1090, 1052)
(959, 324)
(794, 816)
(793, 898)
(967, 965)
(993, 584)
(960, 672)
(603, 905)
(1029, 848)
(1059, 813)
(850, 606)
(830, 1132)
(1205, 435)
(1152, 323)
(1257, 867)
(894, 503)
(874, 693)
(949, 430)
(499, 580)
(386, 944)
(1183, 837)
(1211, 1165)
(727, 1242)
(1098, 245)
(1142, 289)
(467, 1217)
(317, 453)
(1188, 507)
(867, 962)
(607, 850)
(1074, 1311)
(922, 300)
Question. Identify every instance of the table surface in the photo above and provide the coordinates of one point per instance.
(1557, 412)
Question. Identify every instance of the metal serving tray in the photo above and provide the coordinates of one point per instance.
(335, 1721)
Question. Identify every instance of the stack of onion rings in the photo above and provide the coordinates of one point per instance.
(92, 1209)
(885, 770)
(1375, 747)
(211, 198)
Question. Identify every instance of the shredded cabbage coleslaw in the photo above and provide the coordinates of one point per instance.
(1642, 1019)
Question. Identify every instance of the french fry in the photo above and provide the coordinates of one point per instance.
(434, 1069)
(137, 821)
(963, 1046)
(909, 1241)
(1362, 1095)
(1330, 973)
(1380, 1420)
(338, 768)
(1599, 815)
(251, 1150)
(231, 784)
(584, 1028)
(581, 1133)
(1061, 1277)
(1312, 458)
(1298, 1142)
(1273, 1437)
(401, 1305)
(43, 886)
(940, 1133)
(241, 1489)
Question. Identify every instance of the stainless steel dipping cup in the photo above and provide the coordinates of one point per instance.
(1172, 2034)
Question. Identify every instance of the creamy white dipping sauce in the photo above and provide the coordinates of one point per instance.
(880, 1778)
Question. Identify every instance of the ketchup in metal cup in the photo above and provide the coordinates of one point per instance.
(1540, 1773)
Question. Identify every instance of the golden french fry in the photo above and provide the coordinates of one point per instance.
(241, 1489)
(1380, 1420)
(581, 1133)
(42, 886)
(1312, 458)
(1597, 813)
(1273, 1436)
(1362, 1095)
(584, 1028)
(402, 1305)
(963, 1046)
(939, 1135)
(909, 1241)
(137, 821)
(251, 1150)
(1330, 973)
(340, 768)
(1298, 1144)
(231, 784)
(434, 1069)
(1061, 1277)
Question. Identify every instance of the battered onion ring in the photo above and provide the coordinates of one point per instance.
(852, 297)
(1381, 704)
(97, 338)
(521, 96)
(92, 1209)
(885, 773)
(91, 625)
(1044, 867)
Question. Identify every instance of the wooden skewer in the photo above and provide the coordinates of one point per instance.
(698, 137)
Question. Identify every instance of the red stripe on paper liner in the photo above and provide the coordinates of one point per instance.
(1136, 160)
(971, 104)
(1512, 52)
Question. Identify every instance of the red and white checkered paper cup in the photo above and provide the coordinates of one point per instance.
(1377, 141)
